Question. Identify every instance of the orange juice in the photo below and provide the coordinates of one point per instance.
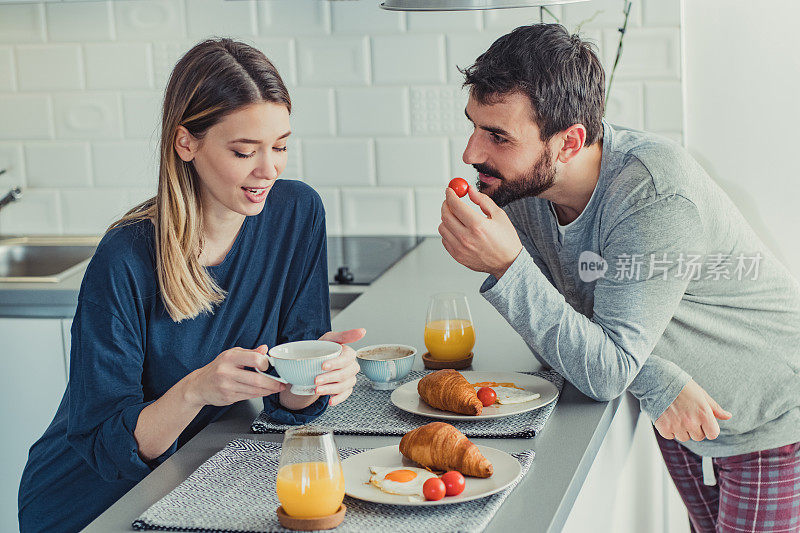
(449, 340)
(308, 490)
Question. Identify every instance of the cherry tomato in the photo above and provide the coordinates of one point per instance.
(453, 483)
(433, 489)
(460, 186)
(487, 396)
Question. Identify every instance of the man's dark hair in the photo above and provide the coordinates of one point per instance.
(559, 72)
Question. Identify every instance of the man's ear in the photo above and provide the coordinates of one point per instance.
(573, 139)
(185, 144)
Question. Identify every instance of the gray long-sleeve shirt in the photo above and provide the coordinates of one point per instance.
(689, 291)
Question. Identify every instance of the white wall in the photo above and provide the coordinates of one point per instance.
(378, 113)
(742, 79)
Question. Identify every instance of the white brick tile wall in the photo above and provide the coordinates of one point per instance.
(444, 21)
(49, 67)
(660, 13)
(25, 116)
(652, 53)
(103, 66)
(57, 164)
(139, 20)
(412, 161)
(294, 164)
(138, 195)
(378, 120)
(281, 52)
(80, 21)
(333, 61)
(378, 211)
(463, 50)
(22, 23)
(600, 14)
(428, 203)
(363, 17)
(124, 164)
(332, 200)
(336, 162)
(12, 161)
(7, 77)
(217, 18)
(372, 110)
(298, 17)
(313, 111)
(438, 110)
(39, 212)
(141, 114)
(165, 55)
(505, 20)
(87, 210)
(624, 105)
(663, 106)
(398, 59)
(87, 116)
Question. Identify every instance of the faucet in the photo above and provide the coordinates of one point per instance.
(11, 196)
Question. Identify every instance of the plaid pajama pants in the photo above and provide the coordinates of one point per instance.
(757, 491)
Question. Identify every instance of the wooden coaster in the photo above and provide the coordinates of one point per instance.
(437, 364)
(311, 524)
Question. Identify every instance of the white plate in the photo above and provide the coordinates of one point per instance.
(357, 474)
(406, 397)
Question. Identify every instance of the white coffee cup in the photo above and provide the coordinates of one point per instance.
(299, 363)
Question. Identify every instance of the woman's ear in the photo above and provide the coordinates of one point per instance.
(185, 144)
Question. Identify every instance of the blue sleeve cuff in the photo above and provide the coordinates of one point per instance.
(114, 452)
(281, 415)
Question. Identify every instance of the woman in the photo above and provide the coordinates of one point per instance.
(186, 292)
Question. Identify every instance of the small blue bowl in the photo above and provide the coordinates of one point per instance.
(385, 365)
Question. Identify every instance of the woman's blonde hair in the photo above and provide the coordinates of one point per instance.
(216, 77)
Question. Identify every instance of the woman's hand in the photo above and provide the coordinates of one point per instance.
(693, 415)
(225, 380)
(340, 373)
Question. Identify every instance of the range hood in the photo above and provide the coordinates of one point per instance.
(464, 5)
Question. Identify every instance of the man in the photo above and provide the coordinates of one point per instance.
(623, 266)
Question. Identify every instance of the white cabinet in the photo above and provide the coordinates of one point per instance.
(34, 379)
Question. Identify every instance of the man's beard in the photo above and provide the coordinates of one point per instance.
(536, 181)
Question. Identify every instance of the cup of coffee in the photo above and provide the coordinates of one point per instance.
(299, 363)
(385, 365)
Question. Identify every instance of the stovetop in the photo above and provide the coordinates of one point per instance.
(365, 258)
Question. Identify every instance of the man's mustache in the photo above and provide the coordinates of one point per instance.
(489, 171)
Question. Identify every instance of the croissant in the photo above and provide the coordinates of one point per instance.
(450, 391)
(440, 446)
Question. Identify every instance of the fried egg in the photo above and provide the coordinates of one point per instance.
(508, 393)
(405, 480)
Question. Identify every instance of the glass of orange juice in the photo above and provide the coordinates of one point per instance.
(449, 333)
(310, 481)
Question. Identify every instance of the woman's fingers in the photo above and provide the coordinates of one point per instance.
(342, 396)
(260, 381)
(346, 358)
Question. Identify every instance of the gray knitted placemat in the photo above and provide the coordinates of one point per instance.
(371, 412)
(234, 491)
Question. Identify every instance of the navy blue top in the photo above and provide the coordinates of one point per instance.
(126, 351)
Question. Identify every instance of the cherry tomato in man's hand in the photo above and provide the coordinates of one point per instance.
(433, 489)
(487, 396)
(453, 483)
(460, 186)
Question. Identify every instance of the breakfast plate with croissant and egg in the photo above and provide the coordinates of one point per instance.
(470, 395)
(433, 465)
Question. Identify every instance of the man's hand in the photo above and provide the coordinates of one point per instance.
(693, 415)
(484, 244)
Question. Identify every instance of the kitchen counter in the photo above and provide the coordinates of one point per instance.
(393, 311)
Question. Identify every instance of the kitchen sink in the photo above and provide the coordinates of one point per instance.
(47, 259)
